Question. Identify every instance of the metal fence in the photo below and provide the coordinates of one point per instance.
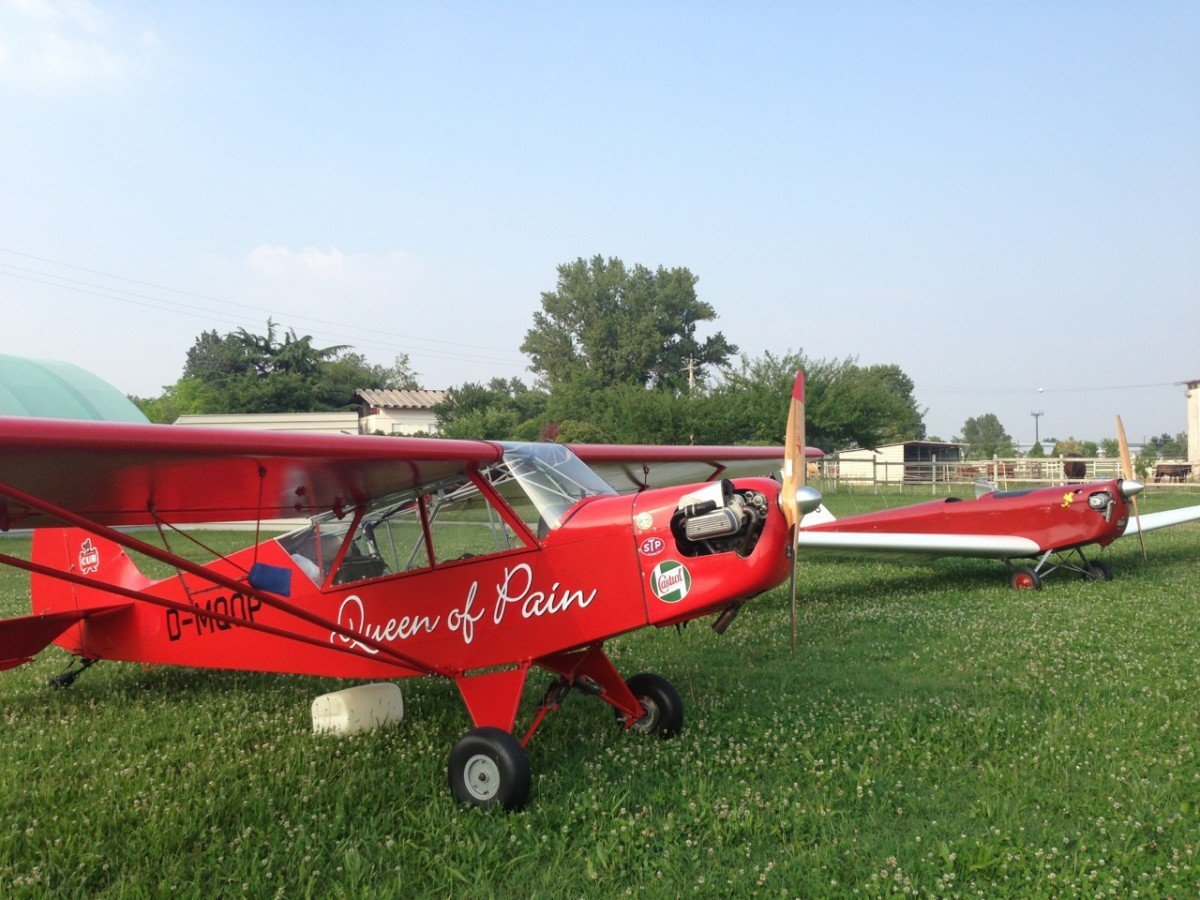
(1004, 473)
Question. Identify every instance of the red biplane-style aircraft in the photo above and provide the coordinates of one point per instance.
(472, 560)
(1048, 526)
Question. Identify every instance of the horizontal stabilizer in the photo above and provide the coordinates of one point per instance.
(1167, 517)
(931, 546)
(21, 639)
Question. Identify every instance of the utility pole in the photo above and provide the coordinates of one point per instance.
(1036, 416)
(691, 367)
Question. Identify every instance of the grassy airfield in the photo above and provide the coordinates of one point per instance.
(935, 733)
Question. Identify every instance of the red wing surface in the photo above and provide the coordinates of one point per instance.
(123, 474)
(637, 467)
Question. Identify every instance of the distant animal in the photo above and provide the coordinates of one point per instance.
(1074, 470)
(1172, 471)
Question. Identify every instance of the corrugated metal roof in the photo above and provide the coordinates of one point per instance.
(49, 389)
(914, 443)
(402, 399)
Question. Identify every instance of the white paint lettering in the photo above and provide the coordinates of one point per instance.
(352, 618)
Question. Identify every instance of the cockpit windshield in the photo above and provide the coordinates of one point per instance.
(446, 521)
(550, 476)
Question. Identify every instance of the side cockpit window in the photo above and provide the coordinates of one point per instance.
(438, 524)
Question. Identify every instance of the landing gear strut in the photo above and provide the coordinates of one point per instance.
(1030, 578)
(489, 765)
(67, 676)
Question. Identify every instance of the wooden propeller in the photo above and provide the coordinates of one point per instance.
(1127, 473)
(794, 471)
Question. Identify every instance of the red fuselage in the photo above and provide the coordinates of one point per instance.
(1055, 518)
(613, 565)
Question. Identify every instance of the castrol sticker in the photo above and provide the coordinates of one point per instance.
(670, 581)
(652, 546)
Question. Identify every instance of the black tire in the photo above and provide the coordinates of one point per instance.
(1025, 579)
(489, 767)
(1099, 570)
(662, 703)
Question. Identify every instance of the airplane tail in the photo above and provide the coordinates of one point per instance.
(59, 606)
(80, 553)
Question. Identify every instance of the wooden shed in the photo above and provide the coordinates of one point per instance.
(908, 462)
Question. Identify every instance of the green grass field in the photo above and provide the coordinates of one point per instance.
(935, 733)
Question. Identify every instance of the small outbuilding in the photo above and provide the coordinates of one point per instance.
(908, 462)
(398, 412)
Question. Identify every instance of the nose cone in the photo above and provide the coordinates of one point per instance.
(1131, 488)
(808, 499)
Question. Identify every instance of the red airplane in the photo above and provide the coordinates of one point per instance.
(472, 560)
(1051, 527)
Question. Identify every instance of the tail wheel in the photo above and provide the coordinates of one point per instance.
(1099, 570)
(489, 767)
(662, 704)
(1025, 579)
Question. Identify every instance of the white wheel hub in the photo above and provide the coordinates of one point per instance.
(482, 777)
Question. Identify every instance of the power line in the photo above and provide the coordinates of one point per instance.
(1065, 390)
(210, 316)
(216, 300)
(161, 304)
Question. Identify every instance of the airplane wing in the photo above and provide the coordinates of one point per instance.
(636, 467)
(130, 474)
(920, 546)
(1151, 521)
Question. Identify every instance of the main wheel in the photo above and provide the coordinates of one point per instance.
(662, 703)
(1099, 570)
(489, 767)
(1025, 579)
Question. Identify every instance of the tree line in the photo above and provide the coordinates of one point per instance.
(615, 357)
(985, 438)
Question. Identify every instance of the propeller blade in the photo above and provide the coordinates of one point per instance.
(1127, 474)
(794, 476)
(793, 453)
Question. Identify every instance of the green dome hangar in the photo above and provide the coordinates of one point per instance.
(49, 389)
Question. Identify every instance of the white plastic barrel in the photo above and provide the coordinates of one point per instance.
(358, 709)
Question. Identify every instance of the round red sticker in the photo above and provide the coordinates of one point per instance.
(652, 546)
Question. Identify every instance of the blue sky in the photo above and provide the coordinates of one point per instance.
(998, 197)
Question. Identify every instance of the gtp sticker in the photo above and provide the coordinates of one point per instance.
(670, 581)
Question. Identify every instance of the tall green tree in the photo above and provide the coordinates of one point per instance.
(1074, 447)
(503, 409)
(847, 404)
(276, 372)
(985, 437)
(1171, 446)
(606, 324)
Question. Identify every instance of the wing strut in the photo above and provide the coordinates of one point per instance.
(200, 571)
(133, 594)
